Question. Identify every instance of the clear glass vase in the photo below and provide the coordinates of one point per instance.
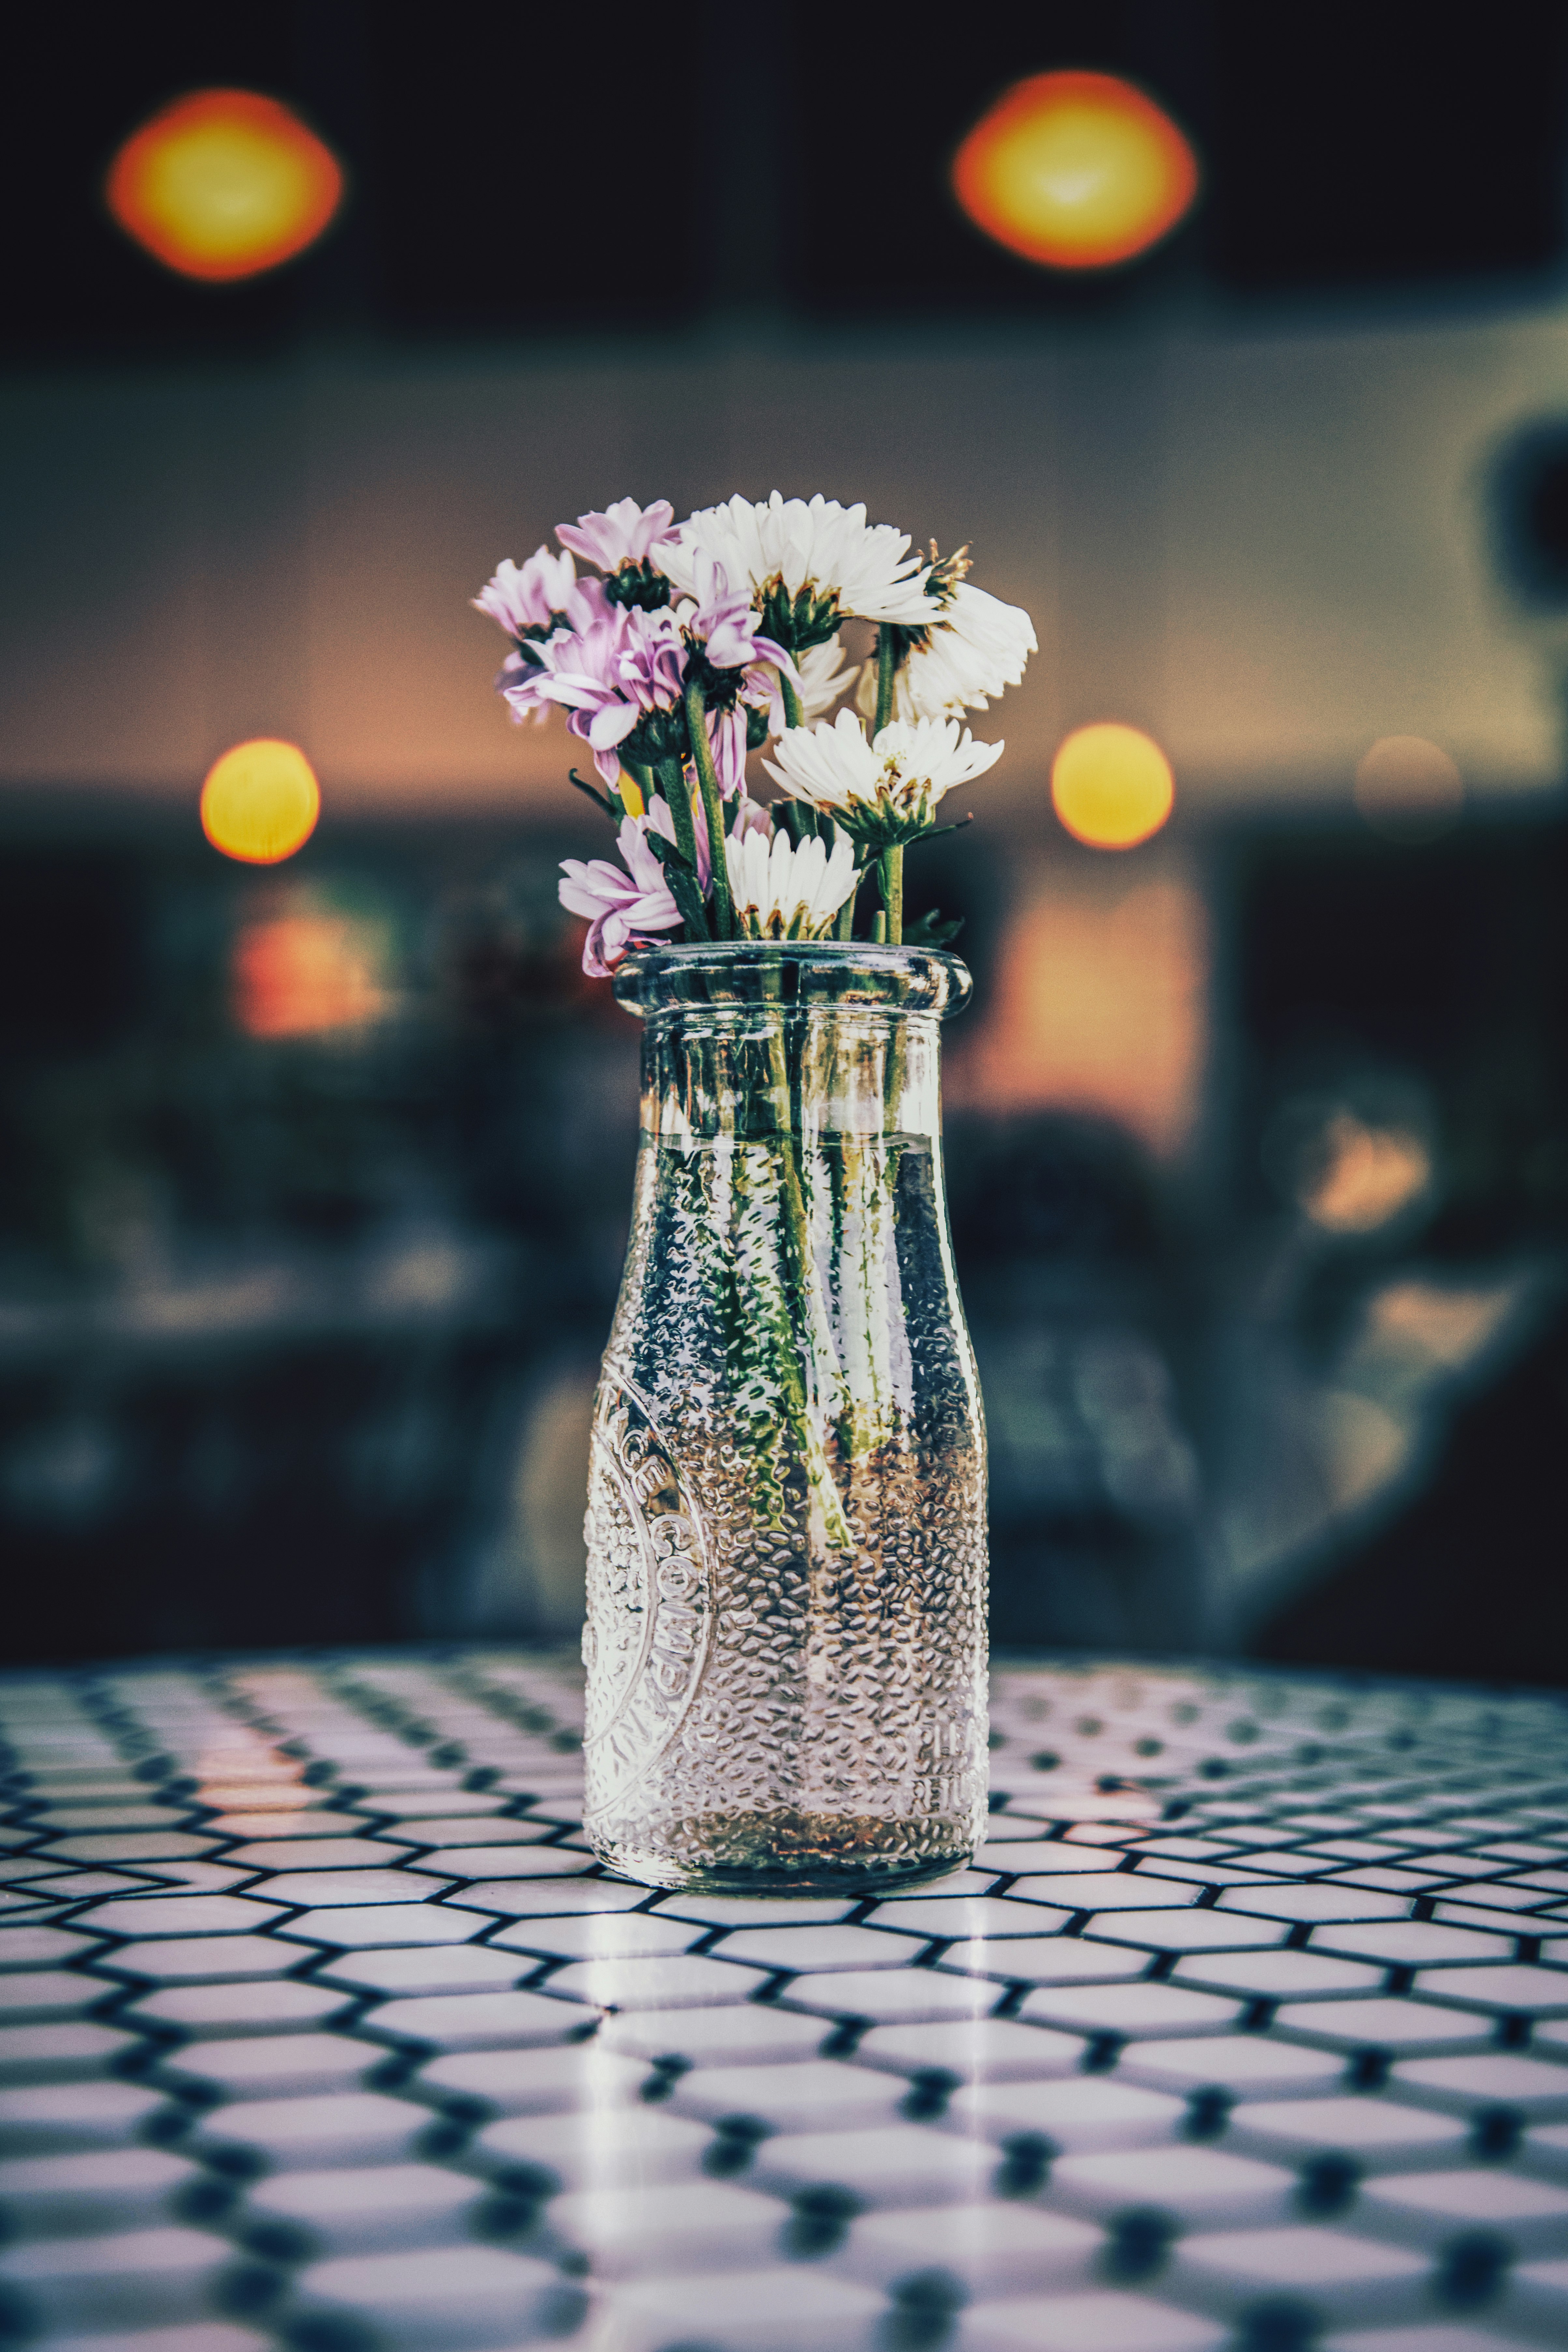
(786, 1634)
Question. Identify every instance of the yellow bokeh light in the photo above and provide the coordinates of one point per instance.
(1076, 171)
(260, 801)
(223, 183)
(1112, 786)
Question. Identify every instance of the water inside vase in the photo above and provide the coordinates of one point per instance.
(786, 1524)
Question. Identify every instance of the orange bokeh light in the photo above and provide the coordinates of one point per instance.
(298, 974)
(223, 185)
(1077, 171)
(260, 801)
(1112, 786)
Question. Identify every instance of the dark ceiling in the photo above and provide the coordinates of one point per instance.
(518, 170)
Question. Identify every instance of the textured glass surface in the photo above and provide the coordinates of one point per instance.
(786, 1636)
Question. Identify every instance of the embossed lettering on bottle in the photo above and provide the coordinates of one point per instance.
(650, 1603)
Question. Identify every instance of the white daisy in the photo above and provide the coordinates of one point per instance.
(883, 791)
(973, 646)
(817, 548)
(823, 679)
(783, 892)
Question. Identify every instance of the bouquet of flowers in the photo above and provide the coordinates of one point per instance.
(692, 644)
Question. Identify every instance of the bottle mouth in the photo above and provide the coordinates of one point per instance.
(843, 973)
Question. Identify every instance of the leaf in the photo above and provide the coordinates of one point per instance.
(613, 809)
(932, 930)
(685, 888)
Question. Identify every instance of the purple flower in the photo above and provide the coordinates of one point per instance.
(722, 621)
(621, 905)
(531, 601)
(608, 675)
(624, 533)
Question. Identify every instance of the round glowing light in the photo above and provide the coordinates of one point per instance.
(1078, 170)
(1112, 786)
(1409, 789)
(223, 185)
(260, 801)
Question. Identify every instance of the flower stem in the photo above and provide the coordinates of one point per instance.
(890, 875)
(794, 709)
(887, 668)
(713, 806)
(672, 775)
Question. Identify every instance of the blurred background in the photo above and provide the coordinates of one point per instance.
(315, 1170)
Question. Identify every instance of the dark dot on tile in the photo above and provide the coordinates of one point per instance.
(1309, 1752)
(282, 2242)
(1026, 2160)
(1213, 1768)
(924, 2307)
(563, 2310)
(666, 2073)
(1242, 1731)
(499, 2218)
(1046, 1762)
(248, 2288)
(929, 2091)
(1496, 2133)
(1279, 2324)
(168, 2124)
(734, 2143)
(1472, 2269)
(997, 1739)
(1184, 1712)
(323, 2331)
(528, 2184)
(820, 2219)
(567, 1742)
(1102, 2053)
(204, 2200)
(482, 1776)
(1328, 2185)
(1139, 2238)
(1148, 1747)
(391, 2074)
(1087, 1726)
(20, 2322)
(1207, 2112)
(440, 2139)
(1367, 2071)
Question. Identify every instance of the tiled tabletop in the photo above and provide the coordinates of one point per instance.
(322, 2029)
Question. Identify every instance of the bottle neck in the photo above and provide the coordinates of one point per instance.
(821, 1073)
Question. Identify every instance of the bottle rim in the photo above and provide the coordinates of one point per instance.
(842, 972)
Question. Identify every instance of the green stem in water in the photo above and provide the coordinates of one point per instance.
(673, 778)
(713, 806)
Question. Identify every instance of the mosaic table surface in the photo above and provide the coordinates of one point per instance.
(322, 2029)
